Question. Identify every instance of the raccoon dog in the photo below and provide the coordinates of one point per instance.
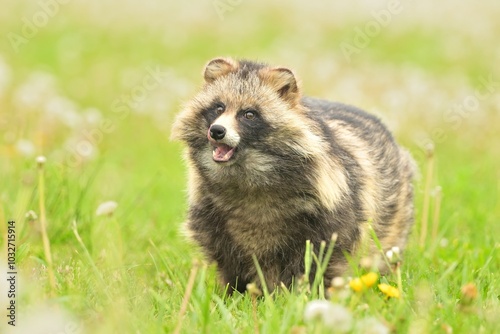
(270, 169)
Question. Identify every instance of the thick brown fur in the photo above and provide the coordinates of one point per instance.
(302, 169)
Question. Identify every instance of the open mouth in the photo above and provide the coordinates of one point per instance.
(223, 152)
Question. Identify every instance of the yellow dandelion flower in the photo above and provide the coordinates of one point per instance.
(366, 281)
(369, 279)
(356, 284)
(389, 290)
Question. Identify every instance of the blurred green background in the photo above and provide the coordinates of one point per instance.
(95, 85)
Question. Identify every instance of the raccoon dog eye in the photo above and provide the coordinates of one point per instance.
(220, 108)
(250, 114)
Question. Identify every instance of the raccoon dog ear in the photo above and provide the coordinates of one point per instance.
(283, 81)
(219, 67)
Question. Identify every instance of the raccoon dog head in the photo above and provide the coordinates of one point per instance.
(247, 117)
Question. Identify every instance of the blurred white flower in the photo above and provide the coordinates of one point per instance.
(5, 74)
(25, 148)
(437, 191)
(253, 289)
(41, 160)
(31, 215)
(366, 262)
(80, 148)
(106, 208)
(371, 325)
(35, 91)
(396, 250)
(443, 243)
(338, 282)
(64, 110)
(331, 315)
(393, 255)
(46, 319)
(92, 116)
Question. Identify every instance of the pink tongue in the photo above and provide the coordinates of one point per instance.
(223, 153)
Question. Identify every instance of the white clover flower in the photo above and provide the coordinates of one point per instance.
(106, 208)
(331, 315)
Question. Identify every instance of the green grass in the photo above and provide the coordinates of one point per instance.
(131, 271)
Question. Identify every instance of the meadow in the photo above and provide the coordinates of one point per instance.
(93, 87)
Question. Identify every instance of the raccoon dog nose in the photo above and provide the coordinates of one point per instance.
(217, 132)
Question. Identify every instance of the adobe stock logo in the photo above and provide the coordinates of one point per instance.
(223, 6)
(31, 26)
(363, 36)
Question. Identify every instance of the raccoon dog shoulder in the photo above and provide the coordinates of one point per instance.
(270, 169)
